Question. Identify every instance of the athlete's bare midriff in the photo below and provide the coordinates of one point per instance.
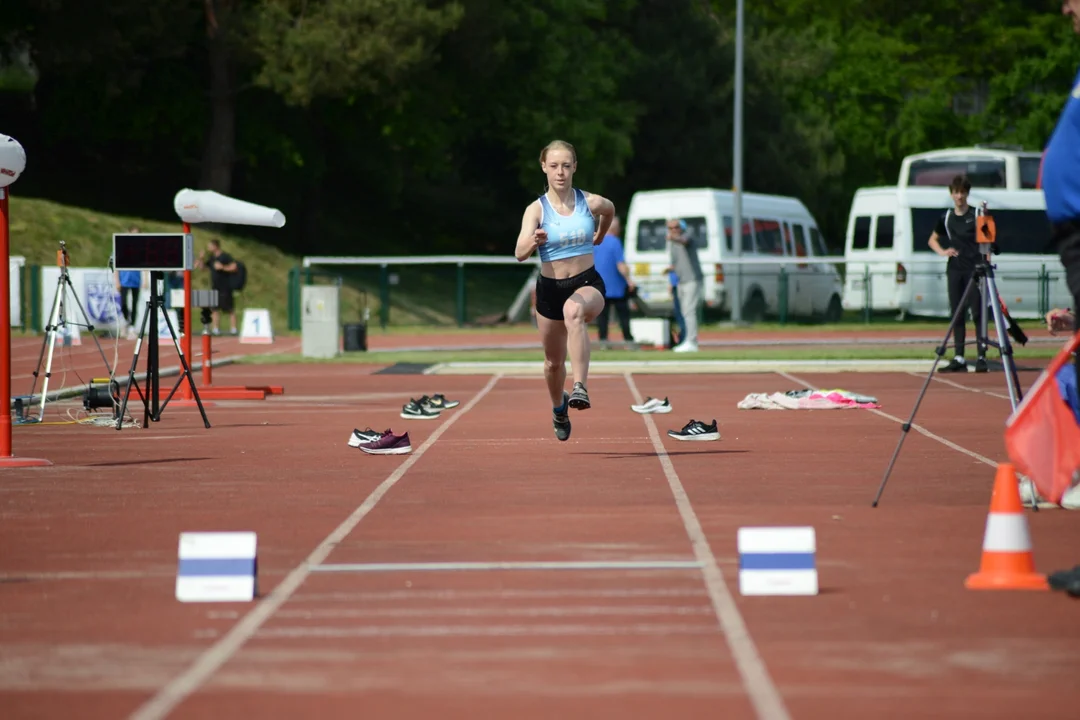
(567, 267)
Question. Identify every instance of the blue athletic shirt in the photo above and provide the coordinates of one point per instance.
(567, 235)
(607, 256)
(1061, 163)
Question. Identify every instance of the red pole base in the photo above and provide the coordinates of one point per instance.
(21, 462)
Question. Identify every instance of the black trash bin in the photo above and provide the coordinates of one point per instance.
(355, 337)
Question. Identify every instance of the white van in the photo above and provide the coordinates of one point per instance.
(986, 166)
(887, 235)
(774, 227)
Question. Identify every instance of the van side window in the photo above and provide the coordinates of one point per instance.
(1029, 172)
(800, 241)
(769, 240)
(860, 240)
(747, 236)
(883, 236)
(818, 243)
(652, 235)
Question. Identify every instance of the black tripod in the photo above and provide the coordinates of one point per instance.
(983, 283)
(153, 377)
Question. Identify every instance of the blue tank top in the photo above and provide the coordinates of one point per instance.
(567, 235)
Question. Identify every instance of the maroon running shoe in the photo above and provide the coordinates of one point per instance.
(388, 444)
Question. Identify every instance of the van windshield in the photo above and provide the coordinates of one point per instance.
(984, 173)
(1026, 232)
(652, 234)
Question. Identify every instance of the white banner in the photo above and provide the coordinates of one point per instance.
(15, 265)
(94, 289)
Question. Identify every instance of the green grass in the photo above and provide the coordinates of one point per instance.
(424, 295)
(904, 352)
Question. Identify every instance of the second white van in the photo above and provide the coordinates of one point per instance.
(888, 254)
(780, 238)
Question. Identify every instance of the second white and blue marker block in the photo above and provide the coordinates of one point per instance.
(777, 561)
(217, 567)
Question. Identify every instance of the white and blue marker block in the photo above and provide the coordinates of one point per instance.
(777, 561)
(217, 567)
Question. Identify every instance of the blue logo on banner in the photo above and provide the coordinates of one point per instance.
(102, 303)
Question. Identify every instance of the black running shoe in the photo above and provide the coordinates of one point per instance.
(579, 398)
(413, 410)
(438, 401)
(955, 365)
(561, 421)
(981, 366)
(696, 430)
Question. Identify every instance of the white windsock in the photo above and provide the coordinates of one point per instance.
(12, 160)
(199, 206)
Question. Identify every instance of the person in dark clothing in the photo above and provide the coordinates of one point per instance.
(222, 268)
(956, 229)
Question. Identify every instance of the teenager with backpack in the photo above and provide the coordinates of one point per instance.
(227, 275)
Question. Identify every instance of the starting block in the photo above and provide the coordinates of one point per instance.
(777, 561)
(217, 567)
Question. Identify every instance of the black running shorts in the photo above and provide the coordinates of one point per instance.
(552, 294)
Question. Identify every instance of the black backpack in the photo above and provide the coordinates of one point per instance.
(238, 279)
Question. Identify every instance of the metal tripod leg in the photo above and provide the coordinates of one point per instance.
(1012, 378)
(55, 316)
(958, 317)
(132, 382)
(185, 374)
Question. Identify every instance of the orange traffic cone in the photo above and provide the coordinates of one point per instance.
(1007, 560)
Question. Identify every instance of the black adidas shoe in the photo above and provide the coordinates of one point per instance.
(413, 410)
(696, 430)
(561, 421)
(579, 398)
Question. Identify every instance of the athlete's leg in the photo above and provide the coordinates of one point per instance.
(553, 337)
(584, 305)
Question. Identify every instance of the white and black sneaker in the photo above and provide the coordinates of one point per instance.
(359, 437)
(437, 402)
(413, 410)
(696, 430)
(652, 406)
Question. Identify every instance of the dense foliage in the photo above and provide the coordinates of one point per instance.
(414, 126)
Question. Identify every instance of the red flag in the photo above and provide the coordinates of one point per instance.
(1042, 437)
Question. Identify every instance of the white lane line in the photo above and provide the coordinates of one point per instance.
(919, 428)
(955, 384)
(500, 594)
(364, 631)
(564, 611)
(763, 693)
(168, 697)
(541, 565)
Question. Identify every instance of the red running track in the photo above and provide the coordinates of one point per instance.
(88, 558)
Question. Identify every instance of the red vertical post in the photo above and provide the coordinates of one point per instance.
(7, 458)
(186, 340)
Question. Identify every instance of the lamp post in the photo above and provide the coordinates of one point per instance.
(737, 167)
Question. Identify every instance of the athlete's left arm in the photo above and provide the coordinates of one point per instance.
(604, 209)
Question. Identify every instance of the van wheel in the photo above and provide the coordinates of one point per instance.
(754, 308)
(835, 310)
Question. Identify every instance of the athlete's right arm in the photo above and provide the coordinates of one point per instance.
(531, 236)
